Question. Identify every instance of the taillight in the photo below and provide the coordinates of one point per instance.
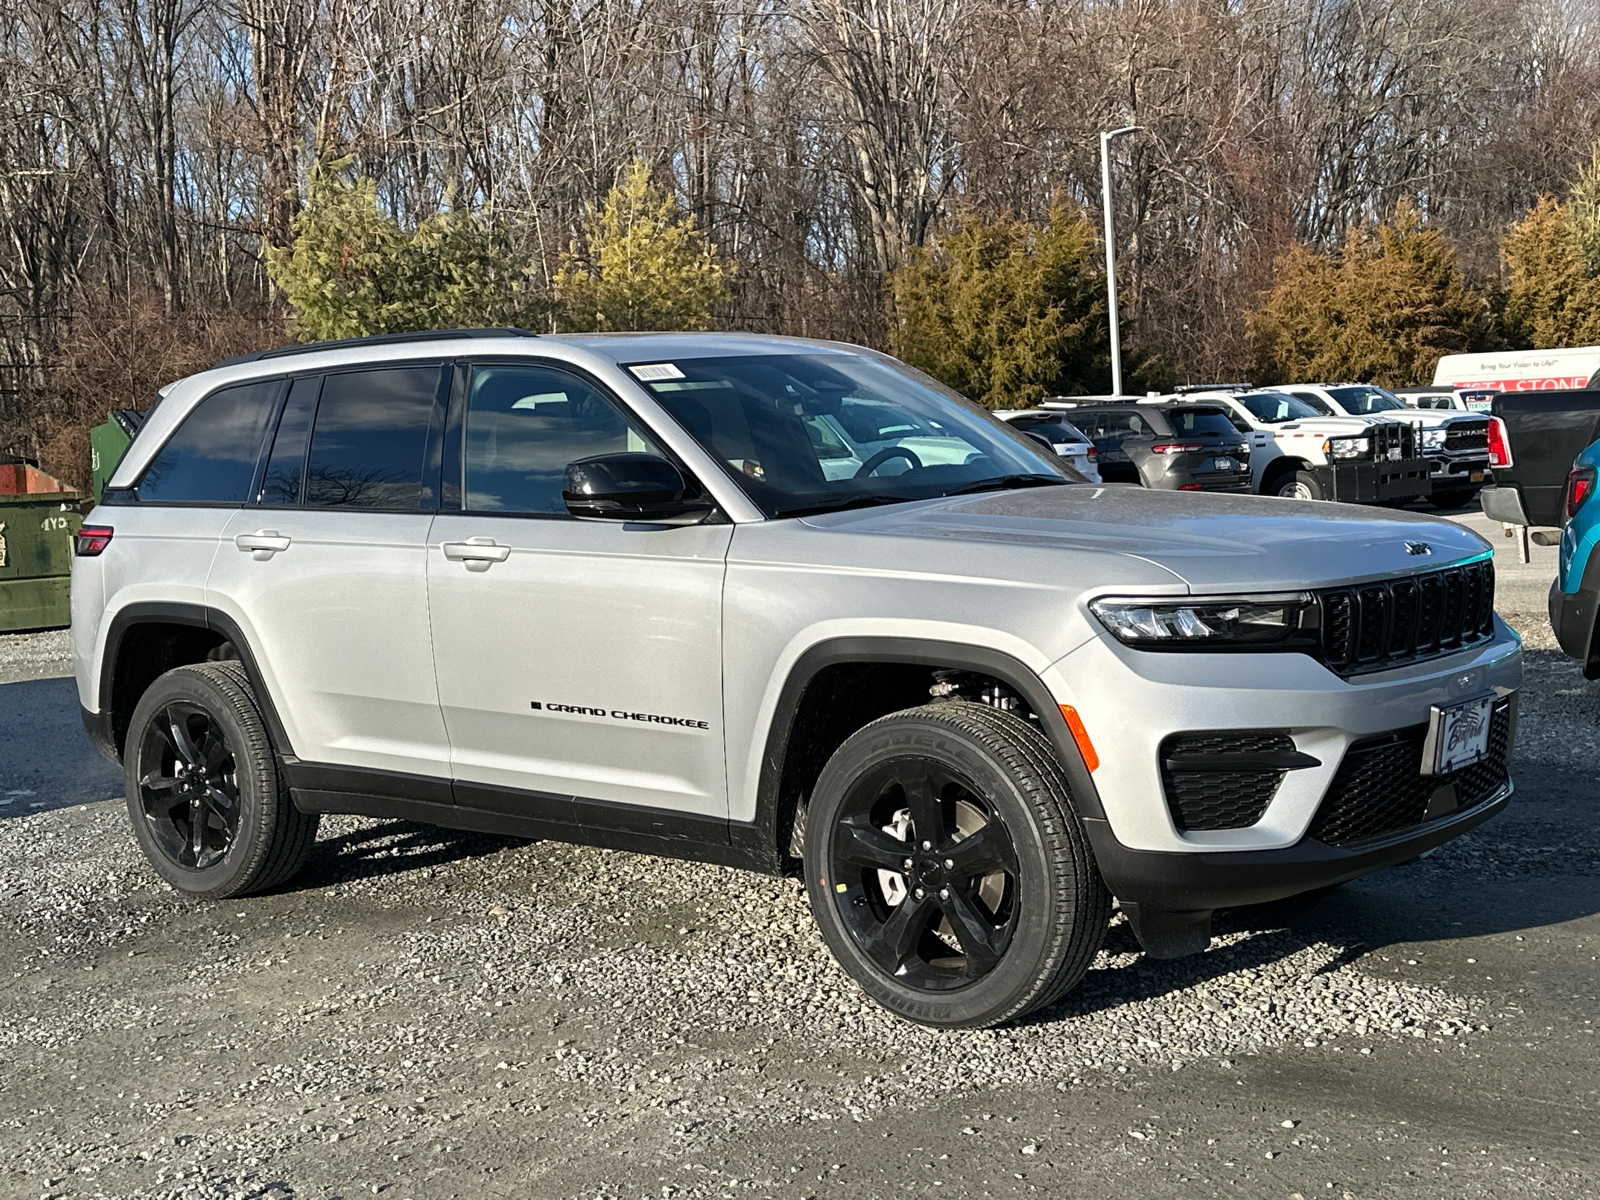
(1175, 447)
(1580, 486)
(1499, 444)
(1190, 487)
(91, 540)
(1094, 455)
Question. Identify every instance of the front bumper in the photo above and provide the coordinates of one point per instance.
(1573, 616)
(1455, 471)
(1132, 703)
(1374, 482)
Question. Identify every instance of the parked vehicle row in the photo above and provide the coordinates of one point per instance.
(787, 606)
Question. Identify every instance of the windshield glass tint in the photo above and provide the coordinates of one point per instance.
(1364, 400)
(809, 432)
(1274, 408)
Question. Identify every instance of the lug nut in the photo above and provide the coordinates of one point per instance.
(920, 893)
(927, 845)
(908, 864)
(949, 864)
(944, 893)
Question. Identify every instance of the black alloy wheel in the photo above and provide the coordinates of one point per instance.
(924, 874)
(208, 807)
(947, 870)
(190, 789)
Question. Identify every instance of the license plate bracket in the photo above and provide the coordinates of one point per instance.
(1223, 462)
(1458, 734)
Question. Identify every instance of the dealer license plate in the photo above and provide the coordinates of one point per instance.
(1458, 735)
(1476, 477)
(1224, 463)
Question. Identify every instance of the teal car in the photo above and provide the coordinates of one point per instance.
(1575, 594)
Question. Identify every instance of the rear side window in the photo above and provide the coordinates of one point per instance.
(287, 463)
(212, 457)
(370, 438)
(1201, 420)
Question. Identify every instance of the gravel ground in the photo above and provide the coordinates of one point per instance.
(425, 1013)
(35, 655)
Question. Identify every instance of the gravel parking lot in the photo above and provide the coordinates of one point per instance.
(431, 1014)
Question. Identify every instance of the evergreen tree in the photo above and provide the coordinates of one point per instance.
(351, 270)
(1005, 312)
(1553, 258)
(1382, 311)
(642, 265)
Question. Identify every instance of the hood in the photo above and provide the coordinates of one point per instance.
(1327, 426)
(1211, 541)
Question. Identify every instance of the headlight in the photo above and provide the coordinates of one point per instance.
(1347, 447)
(1433, 439)
(1287, 620)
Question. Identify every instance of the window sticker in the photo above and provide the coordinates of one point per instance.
(648, 372)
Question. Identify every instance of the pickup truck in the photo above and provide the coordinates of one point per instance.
(1539, 436)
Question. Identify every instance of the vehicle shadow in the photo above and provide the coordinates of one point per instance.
(1535, 865)
(46, 762)
(392, 848)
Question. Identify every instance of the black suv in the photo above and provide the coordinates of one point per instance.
(1176, 447)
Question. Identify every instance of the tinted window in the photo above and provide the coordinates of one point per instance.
(287, 463)
(908, 437)
(212, 457)
(370, 437)
(524, 425)
(1366, 399)
(1201, 420)
(1274, 408)
(1314, 402)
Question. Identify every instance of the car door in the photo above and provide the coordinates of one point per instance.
(326, 570)
(579, 661)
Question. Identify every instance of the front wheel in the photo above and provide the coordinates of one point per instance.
(1300, 485)
(208, 808)
(947, 870)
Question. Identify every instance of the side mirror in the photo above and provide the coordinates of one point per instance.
(629, 487)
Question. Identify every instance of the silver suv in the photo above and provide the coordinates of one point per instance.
(621, 590)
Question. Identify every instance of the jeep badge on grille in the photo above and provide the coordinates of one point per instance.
(1418, 548)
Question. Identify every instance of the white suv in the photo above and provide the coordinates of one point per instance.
(608, 590)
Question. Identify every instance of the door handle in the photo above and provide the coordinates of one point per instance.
(476, 553)
(262, 544)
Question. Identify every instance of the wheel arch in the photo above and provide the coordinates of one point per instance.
(146, 639)
(796, 748)
(1288, 464)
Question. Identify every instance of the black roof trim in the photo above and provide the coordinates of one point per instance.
(1187, 388)
(377, 339)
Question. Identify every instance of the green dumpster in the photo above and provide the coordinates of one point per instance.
(109, 442)
(36, 531)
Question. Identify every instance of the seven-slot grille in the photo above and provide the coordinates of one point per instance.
(1374, 626)
(1467, 435)
(1380, 788)
(1393, 435)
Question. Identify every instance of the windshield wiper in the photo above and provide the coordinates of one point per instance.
(1002, 482)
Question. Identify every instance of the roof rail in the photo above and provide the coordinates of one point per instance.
(377, 339)
(1184, 390)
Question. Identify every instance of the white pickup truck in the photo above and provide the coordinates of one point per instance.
(1456, 445)
(1299, 453)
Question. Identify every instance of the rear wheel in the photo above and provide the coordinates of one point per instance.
(947, 870)
(1299, 485)
(208, 808)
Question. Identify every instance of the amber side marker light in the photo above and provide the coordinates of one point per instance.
(1081, 736)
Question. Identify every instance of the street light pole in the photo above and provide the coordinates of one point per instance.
(1111, 252)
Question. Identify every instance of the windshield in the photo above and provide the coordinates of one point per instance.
(1274, 408)
(806, 433)
(1365, 399)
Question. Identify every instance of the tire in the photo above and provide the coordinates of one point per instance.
(974, 949)
(1454, 498)
(248, 836)
(1298, 485)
